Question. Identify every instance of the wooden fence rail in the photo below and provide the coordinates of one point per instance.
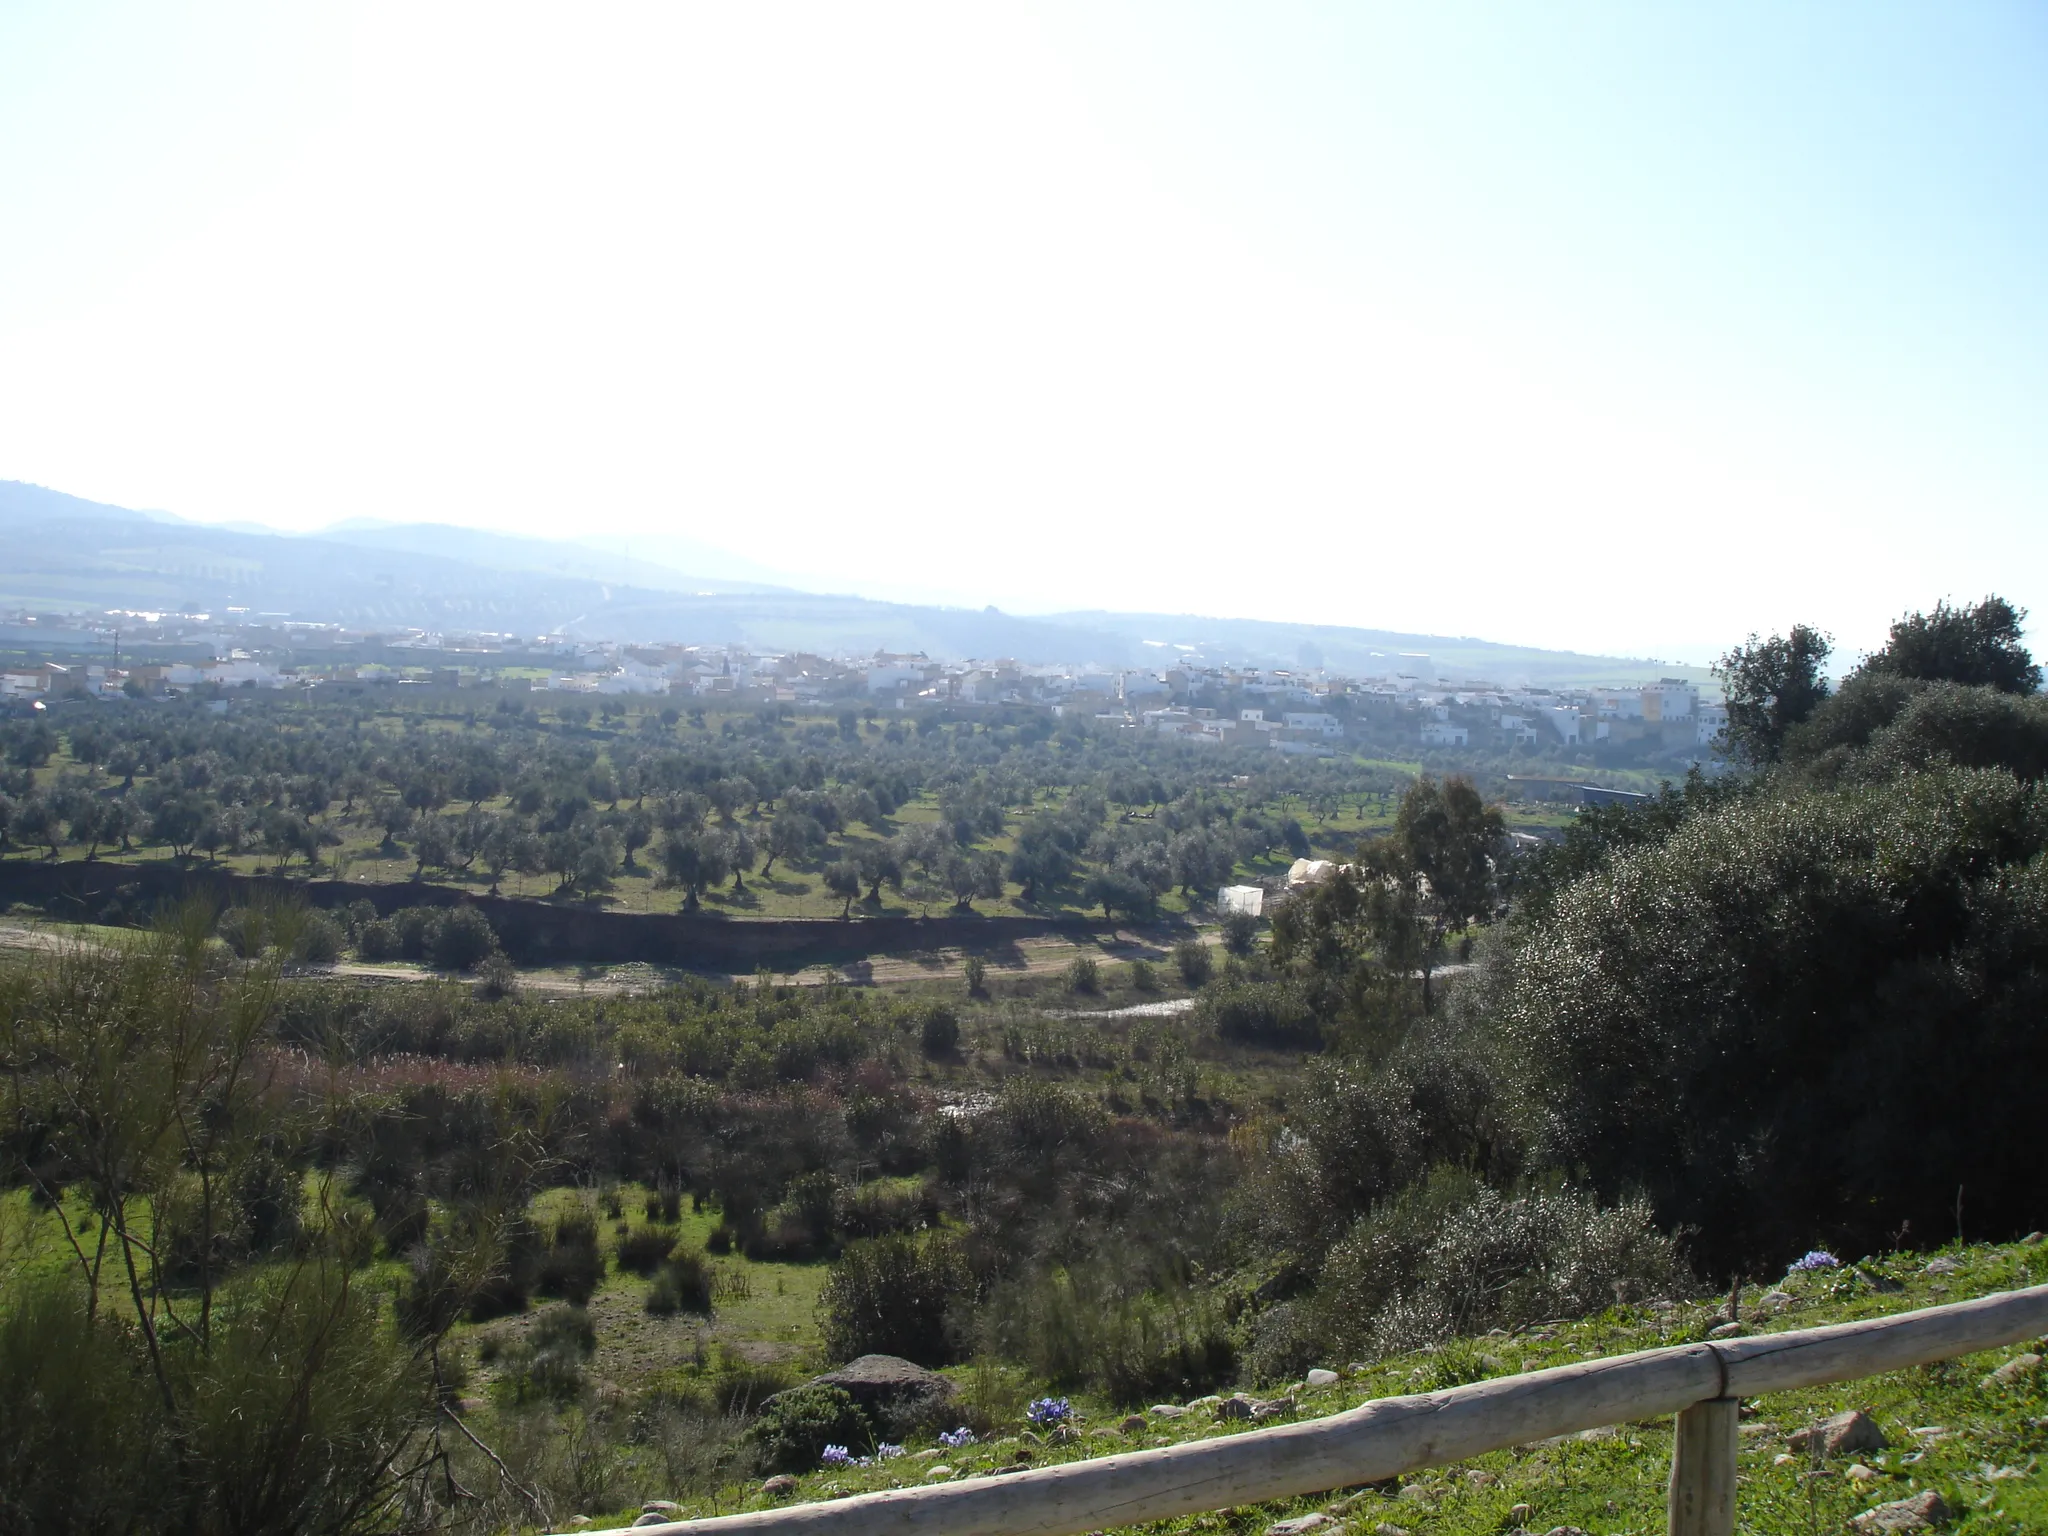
(1701, 1383)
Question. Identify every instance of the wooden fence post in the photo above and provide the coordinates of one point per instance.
(1702, 1501)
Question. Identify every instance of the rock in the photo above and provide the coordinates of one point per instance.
(1416, 1493)
(1942, 1265)
(1728, 1331)
(931, 1455)
(1134, 1425)
(1493, 1364)
(1520, 1514)
(1856, 1472)
(1922, 1512)
(667, 1507)
(2030, 1239)
(1110, 1434)
(1300, 1525)
(900, 1397)
(1277, 1408)
(1480, 1479)
(1237, 1406)
(580, 1522)
(780, 1486)
(2017, 1369)
(1877, 1279)
(1203, 1402)
(1388, 1528)
(1320, 1377)
(1847, 1432)
(1777, 1298)
(1062, 1434)
(1783, 1459)
(1166, 1410)
(938, 1472)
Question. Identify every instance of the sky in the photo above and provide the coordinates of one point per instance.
(1620, 328)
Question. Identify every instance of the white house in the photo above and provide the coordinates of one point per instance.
(1441, 733)
(1322, 724)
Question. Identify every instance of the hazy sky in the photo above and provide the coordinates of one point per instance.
(1621, 327)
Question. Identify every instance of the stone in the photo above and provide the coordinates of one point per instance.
(780, 1486)
(1203, 1402)
(1237, 1406)
(1321, 1377)
(1388, 1528)
(901, 1398)
(1416, 1493)
(1922, 1512)
(1856, 1472)
(1728, 1331)
(938, 1472)
(1783, 1459)
(1942, 1265)
(2017, 1369)
(1166, 1410)
(667, 1507)
(1479, 1479)
(1300, 1525)
(931, 1455)
(1520, 1513)
(1841, 1435)
(1277, 1408)
(2030, 1239)
(1134, 1425)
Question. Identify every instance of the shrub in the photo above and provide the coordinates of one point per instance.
(1191, 957)
(682, 1284)
(320, 940)
(1268, 1013)
(1240, 932)
(379, 939)
(1087, 1328)
(572, 1267)
(1084, 975)
(796, 1426)
(642, 1250)
(974, 970)
(462, 940)
(548, 1363)
(890, 1296)
(939, 1032)
(1143, 977)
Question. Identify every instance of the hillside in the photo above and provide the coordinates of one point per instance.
(63, 553)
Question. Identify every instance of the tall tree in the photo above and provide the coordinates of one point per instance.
(1772, 685)
(1974, 646)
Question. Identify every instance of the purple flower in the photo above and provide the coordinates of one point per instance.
(1048, 1411)
(835, 1456)
(1818, 1258)
(885, 1451)
(957, 1437)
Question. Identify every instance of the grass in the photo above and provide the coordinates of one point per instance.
(1981, 1446)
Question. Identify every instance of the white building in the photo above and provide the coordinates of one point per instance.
(1241, 898)
(1441, 733)
(1321, 724)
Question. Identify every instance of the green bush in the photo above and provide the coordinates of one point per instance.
(1240, 932)
(641, 1250)
(547, 1365)
(1193, 959)
(681, 1284)
(797, 1425)
(460, 939)
(939, 1031)
(1093, 1327)
(1268, 1013)
(1084, 975)
(974, 971)
(1143, 977)
(890, 1296)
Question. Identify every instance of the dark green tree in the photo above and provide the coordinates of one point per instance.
(1772, 685)
(1978, 646)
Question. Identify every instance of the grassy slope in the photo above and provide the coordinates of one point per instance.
(1982, 1446)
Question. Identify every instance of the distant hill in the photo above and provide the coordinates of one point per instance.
(62, 553)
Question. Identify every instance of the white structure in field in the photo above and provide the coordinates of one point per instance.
(1309, 872)
(1250, 899)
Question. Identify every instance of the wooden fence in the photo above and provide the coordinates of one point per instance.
(1702, 1383)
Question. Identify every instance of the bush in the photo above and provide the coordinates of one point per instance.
(682, 1284)
(379, 940)
(1143, 977)
(642, 1250)
(1267, 1013)
(461, 939)
(1191, 957)
(974, 970)
(1084, 975)
(939, 1033)
(548, 1363)
(1240, 932)
(1454, 1257)
(572, 1267)
(890, 1296)
(796, 1426)
(320, 940)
